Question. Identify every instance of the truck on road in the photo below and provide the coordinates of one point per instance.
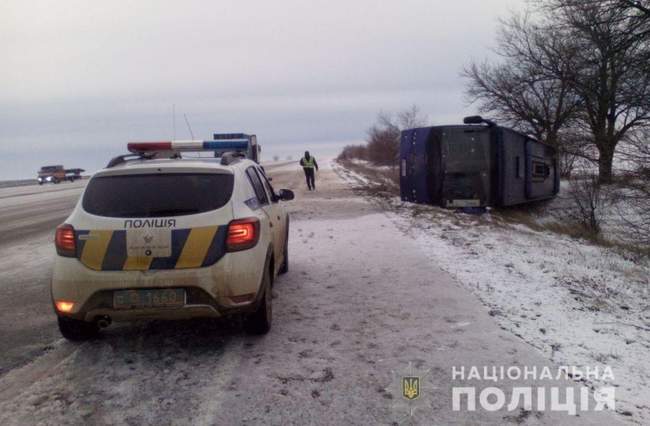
(57, 174)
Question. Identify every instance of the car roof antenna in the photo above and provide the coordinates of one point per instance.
(188, 126)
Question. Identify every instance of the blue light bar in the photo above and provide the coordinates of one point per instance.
(226, 144)
(222, 136)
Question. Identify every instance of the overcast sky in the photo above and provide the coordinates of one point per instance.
(81, 78)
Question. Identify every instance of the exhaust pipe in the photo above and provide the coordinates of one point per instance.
(104, 322)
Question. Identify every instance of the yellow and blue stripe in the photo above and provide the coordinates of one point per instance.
(103, 250)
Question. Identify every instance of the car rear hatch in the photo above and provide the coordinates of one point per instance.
(154, 219)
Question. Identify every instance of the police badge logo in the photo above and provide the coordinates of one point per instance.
(416, 392)
(411, 387)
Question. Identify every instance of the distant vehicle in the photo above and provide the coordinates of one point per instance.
(211, 233)
(229, 142)
(475, 165)
(57, 174)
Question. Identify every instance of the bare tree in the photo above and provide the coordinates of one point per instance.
(576, 151)
(383, 141)
(634, 205)
(641, 6)
(350, 152)
(635, 150)
(529, 88)
(410, 118)
(582, 65)
(384, 136)
(633, 209)
(589, 202)
(611, 72)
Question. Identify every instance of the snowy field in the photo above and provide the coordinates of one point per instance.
(622, 217)
(577, 303)
(20, 182)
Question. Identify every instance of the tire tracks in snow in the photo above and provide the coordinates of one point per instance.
(17, 381)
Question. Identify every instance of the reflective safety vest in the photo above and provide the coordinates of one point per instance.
(309, 164)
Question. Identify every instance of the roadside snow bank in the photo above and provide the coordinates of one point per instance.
(577, 303)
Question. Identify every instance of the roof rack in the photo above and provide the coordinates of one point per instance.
(224, 136)
(120, 159)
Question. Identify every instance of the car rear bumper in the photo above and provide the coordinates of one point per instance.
(210, 292)
(187, 312)
(198, 304)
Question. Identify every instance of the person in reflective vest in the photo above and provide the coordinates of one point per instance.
(308, 163)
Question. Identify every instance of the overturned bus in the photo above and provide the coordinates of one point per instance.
(475, 165)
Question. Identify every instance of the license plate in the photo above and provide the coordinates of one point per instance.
(159, 298)
(149, 242)
(464, 203)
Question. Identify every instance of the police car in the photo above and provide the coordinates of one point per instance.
(158, 235)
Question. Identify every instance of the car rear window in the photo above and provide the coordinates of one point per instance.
(157, 195)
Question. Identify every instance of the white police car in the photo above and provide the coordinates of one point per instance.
(162, 237)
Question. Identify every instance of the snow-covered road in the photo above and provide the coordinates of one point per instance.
(361, 306)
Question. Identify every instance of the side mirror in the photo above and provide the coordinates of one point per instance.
(285, 195)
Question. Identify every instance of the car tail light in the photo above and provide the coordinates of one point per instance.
(64, 306)
(243, 234)
(65, 241)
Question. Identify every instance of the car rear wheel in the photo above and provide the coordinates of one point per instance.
(77, 330)
(259, 322)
